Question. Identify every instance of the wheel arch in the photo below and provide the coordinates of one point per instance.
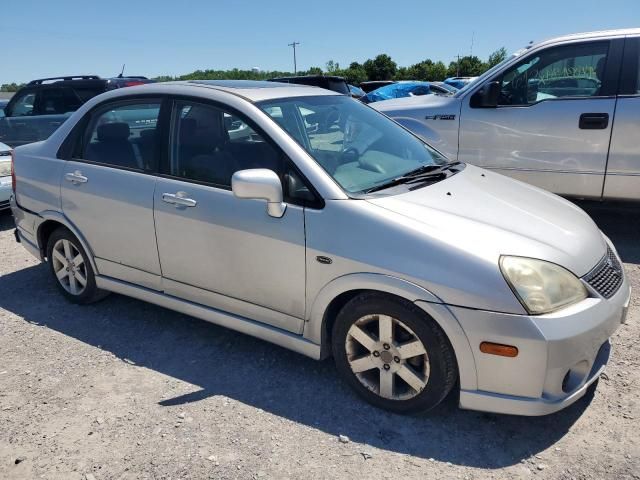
(51, 220)
(333, 296)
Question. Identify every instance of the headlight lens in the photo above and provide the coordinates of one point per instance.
(541, 287)
(5, 168)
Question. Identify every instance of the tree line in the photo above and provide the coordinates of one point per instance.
(382, 67)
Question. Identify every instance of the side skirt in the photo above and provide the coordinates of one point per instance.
(282, 338)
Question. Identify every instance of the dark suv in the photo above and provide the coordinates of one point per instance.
(330, 82)
(41, 106)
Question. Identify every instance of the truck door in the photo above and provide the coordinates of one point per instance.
(623, 169)
(553, 121)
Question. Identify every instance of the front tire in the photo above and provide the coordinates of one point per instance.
(71, 268)
(392, 354)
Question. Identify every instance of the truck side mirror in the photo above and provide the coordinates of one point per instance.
(487, 96)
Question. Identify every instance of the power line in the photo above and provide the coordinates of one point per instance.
(295, 65)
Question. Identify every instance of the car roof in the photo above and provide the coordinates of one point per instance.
(587, 35)
(250, 90)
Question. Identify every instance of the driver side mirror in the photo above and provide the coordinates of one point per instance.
(260, 184)
(487, 96)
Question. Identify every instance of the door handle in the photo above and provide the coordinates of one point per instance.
(179, 199)
(75, 177)
(594, 121)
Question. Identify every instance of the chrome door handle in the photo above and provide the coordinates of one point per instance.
(179, 199)
(75, 177)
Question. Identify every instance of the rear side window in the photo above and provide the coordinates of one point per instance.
(123, 135)
(55, 101)
(87, 93)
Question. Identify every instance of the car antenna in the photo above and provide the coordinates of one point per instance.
(121, 71)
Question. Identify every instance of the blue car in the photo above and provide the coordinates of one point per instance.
(398, 90)
(459, 82)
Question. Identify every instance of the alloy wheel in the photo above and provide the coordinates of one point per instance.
(69, 267)
(387, 357)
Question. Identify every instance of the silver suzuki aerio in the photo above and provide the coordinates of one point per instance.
(307, 219)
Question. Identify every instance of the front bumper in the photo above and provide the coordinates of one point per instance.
(560, 355)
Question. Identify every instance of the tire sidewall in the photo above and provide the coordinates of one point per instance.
(442, 368)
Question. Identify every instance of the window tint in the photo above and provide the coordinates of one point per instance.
(57, 101)
(87, 93)
(24, 105)
(210, 145)
(568, 71)
(123, 135)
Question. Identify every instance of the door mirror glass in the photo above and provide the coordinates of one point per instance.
(487, 96)
(260, 184)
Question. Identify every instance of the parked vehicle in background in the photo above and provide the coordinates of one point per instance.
(563, 115)
(398, 90)
(370, 86)
(356, 92)
(362, 242)
(37, 109)
(459, 82)
(450, 88)
(329, 82)
(5, 176)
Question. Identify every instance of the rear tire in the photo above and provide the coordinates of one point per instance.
(71, 269)
(393, 354)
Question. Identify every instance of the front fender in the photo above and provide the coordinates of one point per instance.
(427, 301)
(429, 135)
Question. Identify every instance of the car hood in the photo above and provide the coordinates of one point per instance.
(410, 103)
(488, 215)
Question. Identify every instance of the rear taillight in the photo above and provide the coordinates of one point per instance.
(133, 83)
(13, 172)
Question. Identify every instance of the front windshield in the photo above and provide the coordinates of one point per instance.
(357, 146)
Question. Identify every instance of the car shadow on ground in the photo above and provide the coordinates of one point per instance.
(6, 221)
(621, 223)
(218, 361)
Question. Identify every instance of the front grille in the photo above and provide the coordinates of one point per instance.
(606, 277)
(4, 205)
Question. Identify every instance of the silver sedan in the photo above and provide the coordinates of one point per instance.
(308, 219)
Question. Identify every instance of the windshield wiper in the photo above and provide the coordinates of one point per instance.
(424, 172)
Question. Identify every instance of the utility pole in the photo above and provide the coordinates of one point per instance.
(295, 65)
(458, 67)
(473, 34)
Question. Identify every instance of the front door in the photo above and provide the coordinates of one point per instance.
(107, 190)
(553, 122)
(216, 249)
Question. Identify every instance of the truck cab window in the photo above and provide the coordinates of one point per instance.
(558, 72)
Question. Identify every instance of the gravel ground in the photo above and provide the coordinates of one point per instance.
(123, 389)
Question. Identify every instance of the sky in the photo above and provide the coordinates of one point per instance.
(47, 38)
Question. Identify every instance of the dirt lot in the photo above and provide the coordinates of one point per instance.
(122, 390)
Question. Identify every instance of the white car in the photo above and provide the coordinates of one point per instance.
(5, 176)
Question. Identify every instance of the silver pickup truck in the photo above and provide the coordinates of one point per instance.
(563, 115)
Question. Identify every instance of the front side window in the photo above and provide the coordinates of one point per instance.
(23, 106)
(558, 72)
(123, 135)
(357, 146)
(209, 145)
(55, 101)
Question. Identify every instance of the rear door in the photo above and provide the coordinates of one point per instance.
(107, 188)
(553, 122)
(623, 169)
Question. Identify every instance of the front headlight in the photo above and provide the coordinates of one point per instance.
(5, 168)
(541, 287)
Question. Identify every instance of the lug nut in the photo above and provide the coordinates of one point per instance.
(386, 346)
(386, 366)
(396, 359)
(376, 353)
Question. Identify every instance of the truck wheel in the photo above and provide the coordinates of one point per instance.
(71, 268)
(393, 354)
